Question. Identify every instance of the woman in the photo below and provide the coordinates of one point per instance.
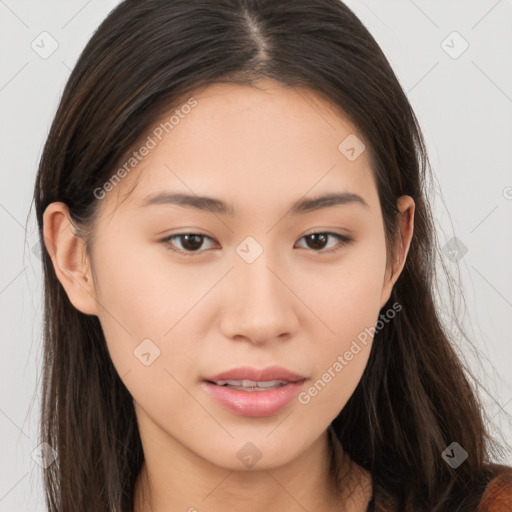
(239, 275)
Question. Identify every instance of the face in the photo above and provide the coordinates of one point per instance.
(263, 276)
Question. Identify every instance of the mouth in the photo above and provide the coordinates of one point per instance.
(253, 399)
(254, 393)
(250, 385)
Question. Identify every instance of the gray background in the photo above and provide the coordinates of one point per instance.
(463, 100)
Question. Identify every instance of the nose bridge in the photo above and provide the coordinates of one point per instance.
(261, 306)
(258, 284)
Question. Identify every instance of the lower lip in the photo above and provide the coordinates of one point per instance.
(255, 404)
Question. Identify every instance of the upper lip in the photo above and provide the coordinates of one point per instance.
(257, 375)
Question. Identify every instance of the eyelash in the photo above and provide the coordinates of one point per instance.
(343, 241)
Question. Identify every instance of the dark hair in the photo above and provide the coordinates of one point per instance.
(414, 397)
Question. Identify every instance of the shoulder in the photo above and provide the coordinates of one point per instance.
(497, 496)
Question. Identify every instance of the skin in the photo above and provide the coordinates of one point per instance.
(295, 306)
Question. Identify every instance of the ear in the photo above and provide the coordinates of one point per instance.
(402, 243)
(67, 251)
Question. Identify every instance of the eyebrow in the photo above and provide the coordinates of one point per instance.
(214, 205)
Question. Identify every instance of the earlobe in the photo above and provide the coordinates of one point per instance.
(403, 240)
(70, 262)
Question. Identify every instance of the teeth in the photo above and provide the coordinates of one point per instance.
(251, 385)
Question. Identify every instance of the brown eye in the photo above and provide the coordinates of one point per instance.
(317, 241)
(190, 242)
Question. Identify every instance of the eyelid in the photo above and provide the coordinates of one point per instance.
(343, 240)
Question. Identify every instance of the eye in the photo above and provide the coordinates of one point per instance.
(192, 242)
(317, 241)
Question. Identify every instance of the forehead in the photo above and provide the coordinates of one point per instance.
(252, 144)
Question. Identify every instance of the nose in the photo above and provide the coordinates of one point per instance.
(260, 306)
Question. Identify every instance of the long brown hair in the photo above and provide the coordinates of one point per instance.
(414, 397)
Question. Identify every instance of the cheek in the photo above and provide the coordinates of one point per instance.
(131, 298)
(148, 314)
(143, 311)
(140, 291)
(346, 295)
(347, 299)
(340, 359)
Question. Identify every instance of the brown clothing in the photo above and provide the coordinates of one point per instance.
(498, 494)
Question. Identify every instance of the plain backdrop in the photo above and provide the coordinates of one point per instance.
(453, 59)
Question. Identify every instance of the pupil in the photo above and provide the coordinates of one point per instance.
(315, 237)
(191, 245)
